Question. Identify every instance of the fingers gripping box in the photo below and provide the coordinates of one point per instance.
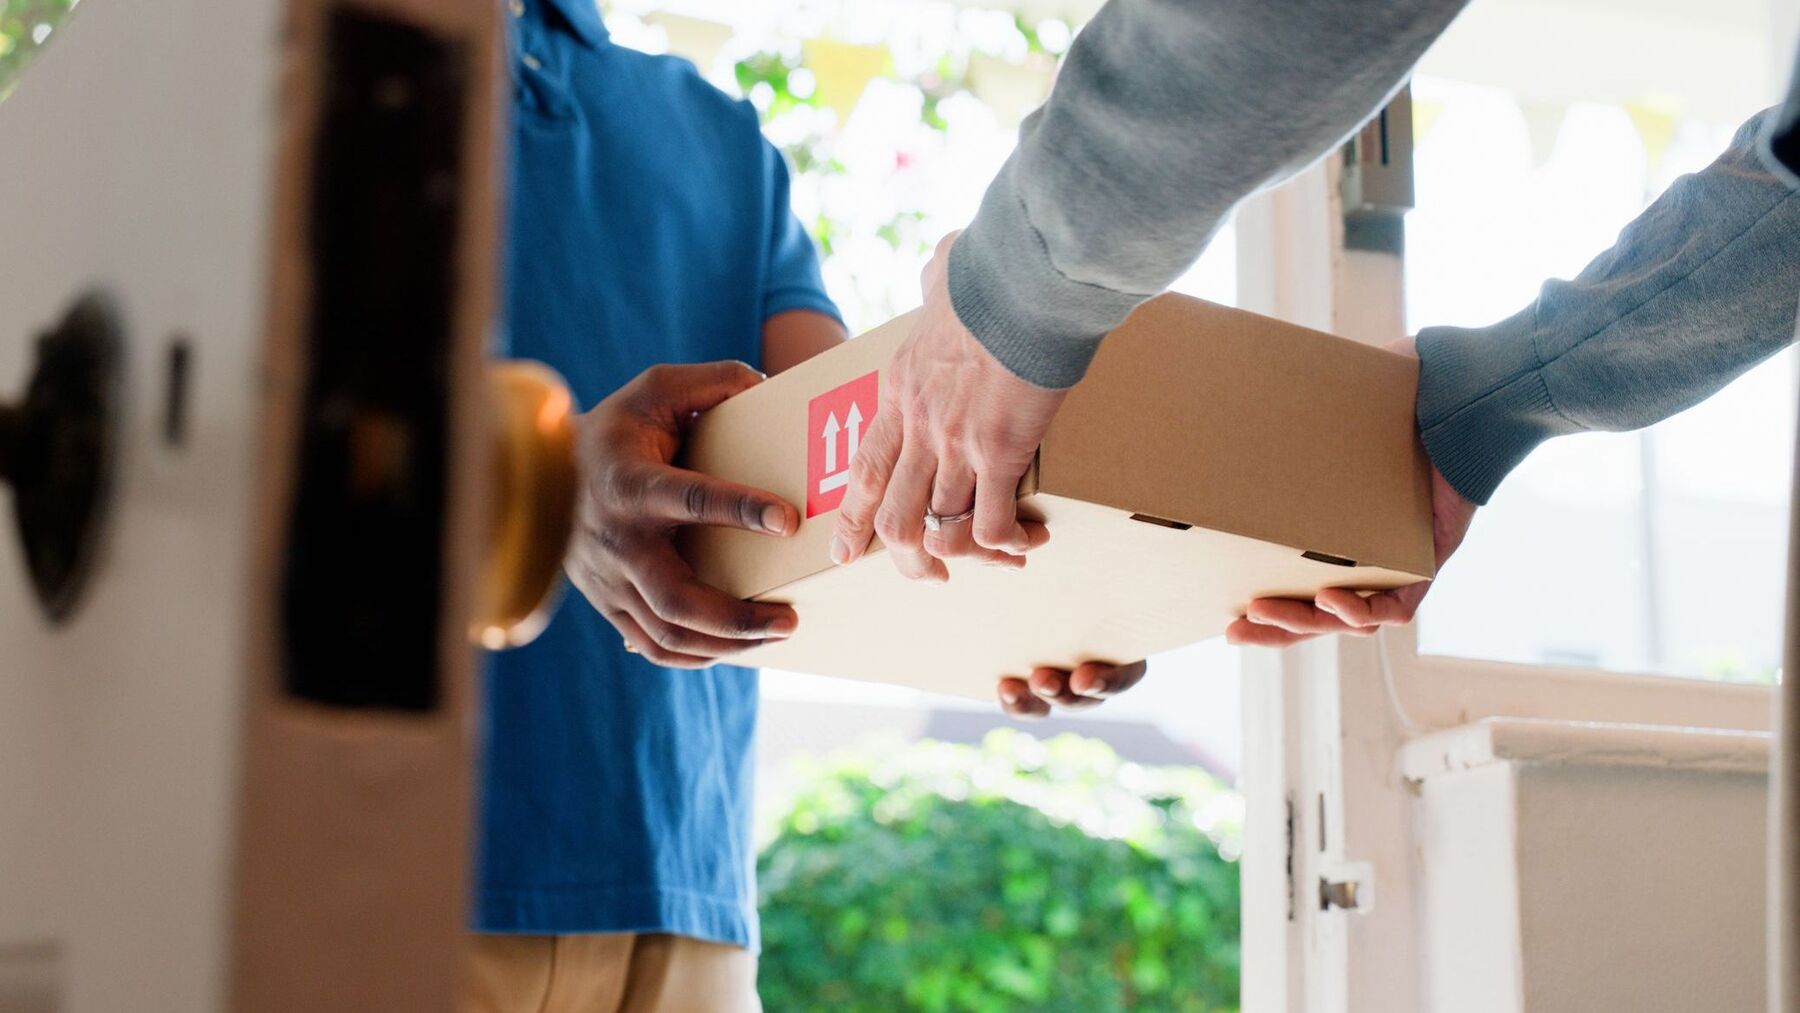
(1211, 456)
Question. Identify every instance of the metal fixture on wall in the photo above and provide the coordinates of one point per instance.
(1377, 180)
(59, 450)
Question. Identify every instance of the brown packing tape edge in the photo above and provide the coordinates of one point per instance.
(1365, 563)
(1032, 483)
(1416, 559)
(1035, 475)
(771, 596)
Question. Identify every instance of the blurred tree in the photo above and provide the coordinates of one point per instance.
(876, 223)
(1022, 875)
(25, 26)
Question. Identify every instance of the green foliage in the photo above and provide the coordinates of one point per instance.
(25, 27)
(1728, 665)
(773, 69)
(768, 79)
(903, 231)
(1022, 875)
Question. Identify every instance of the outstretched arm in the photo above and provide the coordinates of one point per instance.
(1699, 288)
(1165, 115)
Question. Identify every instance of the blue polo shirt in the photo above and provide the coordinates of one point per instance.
(649, 223)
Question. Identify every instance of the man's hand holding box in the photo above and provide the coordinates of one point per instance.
(1211, 457)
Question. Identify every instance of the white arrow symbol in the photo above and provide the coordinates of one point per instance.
(853, 422)
(831, 435)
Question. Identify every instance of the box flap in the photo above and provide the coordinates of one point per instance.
(1105, 588)
(1228, 420)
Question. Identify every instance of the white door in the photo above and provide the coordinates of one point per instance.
(234, 773)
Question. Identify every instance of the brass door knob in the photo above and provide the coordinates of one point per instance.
(534, 481)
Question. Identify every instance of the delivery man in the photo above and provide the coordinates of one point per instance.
(649, 224)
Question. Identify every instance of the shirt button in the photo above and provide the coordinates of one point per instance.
(517, 7)
(533, 62)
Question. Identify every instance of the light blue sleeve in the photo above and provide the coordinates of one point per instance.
(1699, 288)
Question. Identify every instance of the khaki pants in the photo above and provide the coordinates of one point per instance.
(612, 973)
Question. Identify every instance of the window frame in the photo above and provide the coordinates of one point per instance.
(1441, 691)
(1325, 722)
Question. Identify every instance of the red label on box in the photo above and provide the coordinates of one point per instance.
(835, 423)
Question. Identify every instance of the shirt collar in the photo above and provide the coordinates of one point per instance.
(582, 18)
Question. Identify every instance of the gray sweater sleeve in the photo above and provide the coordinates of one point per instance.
(1698, 289)
(1165, 114)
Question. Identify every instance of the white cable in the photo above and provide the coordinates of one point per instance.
(1387, 681)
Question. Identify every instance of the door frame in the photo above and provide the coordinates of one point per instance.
(1325, 722)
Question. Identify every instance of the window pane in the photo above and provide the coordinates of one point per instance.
(1661, 551)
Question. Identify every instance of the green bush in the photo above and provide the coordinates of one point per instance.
(1021, 875)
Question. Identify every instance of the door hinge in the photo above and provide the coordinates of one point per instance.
(1348, 886)
(1290, 858)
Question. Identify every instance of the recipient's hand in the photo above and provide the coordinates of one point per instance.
(1279, 622)
(955, 432)
(1087, 686)
(630, 503)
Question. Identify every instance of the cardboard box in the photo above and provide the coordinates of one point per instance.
(1210, 457)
